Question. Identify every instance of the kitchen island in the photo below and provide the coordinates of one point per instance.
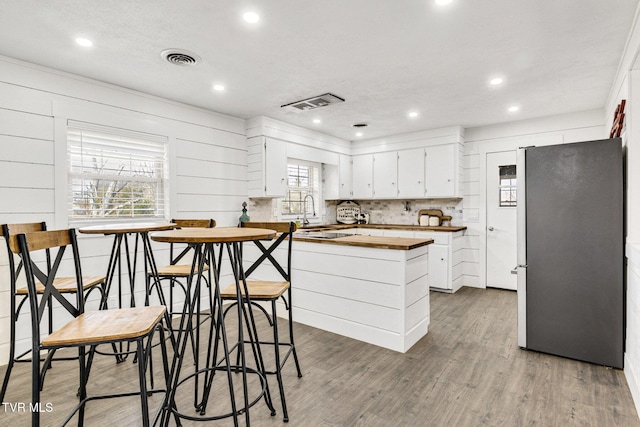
(371, 288)
(445, 254)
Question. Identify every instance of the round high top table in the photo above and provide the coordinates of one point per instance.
(121, 233)
(204, 240)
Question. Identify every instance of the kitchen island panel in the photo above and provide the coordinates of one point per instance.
(347, 310)
(414, 316)
(382, 294)
(376, 295)
(350, 261)
(417, 289)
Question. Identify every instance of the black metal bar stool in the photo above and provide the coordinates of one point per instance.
(19, 295)
(86, 329)
(272, 291)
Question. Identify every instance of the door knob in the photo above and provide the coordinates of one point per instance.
(491, 228)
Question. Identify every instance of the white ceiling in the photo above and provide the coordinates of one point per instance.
(384, 57)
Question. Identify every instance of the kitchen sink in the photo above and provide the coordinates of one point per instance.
(315, 234)
(314, 228)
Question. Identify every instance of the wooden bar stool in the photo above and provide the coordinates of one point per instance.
(271, 291)
(86, 329)
(64, 285)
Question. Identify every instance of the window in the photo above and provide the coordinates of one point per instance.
(303, 179)
(508, 186)
(115, 173)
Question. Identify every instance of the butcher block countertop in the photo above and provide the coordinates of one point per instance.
(450, 229)
(378, 242)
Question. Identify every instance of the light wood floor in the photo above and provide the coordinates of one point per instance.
(468, 371)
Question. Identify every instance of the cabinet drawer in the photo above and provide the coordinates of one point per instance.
(439, 238)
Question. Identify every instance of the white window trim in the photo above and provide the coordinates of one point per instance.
(319, 201)
(152, 145)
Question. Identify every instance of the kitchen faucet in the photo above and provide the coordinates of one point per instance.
(305, 221)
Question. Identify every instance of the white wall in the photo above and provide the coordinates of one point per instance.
(479, 141)
(627, 86)
(207, 159)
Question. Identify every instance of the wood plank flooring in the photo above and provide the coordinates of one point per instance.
(468, 371)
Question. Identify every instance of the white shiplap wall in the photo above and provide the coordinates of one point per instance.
(206, 158)
(479, 141)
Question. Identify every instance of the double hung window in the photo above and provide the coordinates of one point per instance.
(303, 179)
(115, 173)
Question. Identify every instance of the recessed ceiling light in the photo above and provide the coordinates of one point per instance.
(84, 42)
(443, 2)
(218, 87)
(413, 114)
(317, 121)
(496, 81)
(358, 133)
(251, 17)
(514, 108)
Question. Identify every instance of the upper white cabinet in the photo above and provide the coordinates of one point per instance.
(411, 176)
(441, 172)
(345, 190)
(385, 175)
(362, 176)
(417, 173)
(267, 167)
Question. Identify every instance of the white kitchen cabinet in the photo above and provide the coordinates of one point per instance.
(344, 173)
(439, 266)
(441, 171)
(411, 173)
(385, 175)
(267, 167)
(445, 259)
(362, 172)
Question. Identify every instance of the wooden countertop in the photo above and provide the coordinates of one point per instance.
(378, 242)
(450, 229)
(212, 235)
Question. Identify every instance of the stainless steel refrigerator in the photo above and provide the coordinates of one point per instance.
(571, 292)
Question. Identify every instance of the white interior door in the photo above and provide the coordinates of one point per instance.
(501, 232)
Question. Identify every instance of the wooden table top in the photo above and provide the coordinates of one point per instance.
(212, 235)
(128, 227)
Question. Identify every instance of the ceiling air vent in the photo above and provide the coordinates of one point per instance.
(312, 103)
(180, 57)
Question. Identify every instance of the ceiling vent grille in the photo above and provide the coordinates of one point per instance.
(180, 57)
(312, 103)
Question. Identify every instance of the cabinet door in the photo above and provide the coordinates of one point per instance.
(440, 171)
(385, 175)
(275, 168)
(439, 267)
(411, 173)
(344, 173)
(362, 176)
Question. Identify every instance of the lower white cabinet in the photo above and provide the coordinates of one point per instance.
(445, 259)
(445, 255)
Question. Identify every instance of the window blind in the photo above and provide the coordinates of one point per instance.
(303, 179)
(115, 173)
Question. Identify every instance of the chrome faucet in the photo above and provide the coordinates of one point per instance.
(305, 221)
